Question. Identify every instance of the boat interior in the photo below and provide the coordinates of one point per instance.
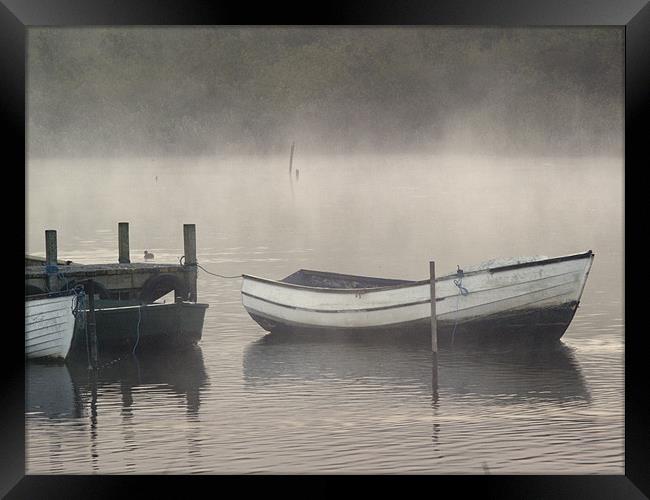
(323, 279)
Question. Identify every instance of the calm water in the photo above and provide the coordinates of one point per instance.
(244, 401)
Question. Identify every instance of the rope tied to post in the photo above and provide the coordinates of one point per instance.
(205, 270)
(459, 281)
(79, 305)
(464, 292)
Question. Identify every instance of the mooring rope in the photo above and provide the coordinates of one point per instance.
(464, 292)
(61, 276)
(209, 272)
(79, 305)
(459, 281)
(79, 312)
(54, 269)
(137, 339)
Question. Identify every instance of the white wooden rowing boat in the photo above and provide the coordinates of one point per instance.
(536, 295)
(49, 326)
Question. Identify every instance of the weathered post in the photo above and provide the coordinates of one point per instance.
(123, 242)
(51, 260)
(189, 246)
(434, 323)
(291, 159)
(92, 325)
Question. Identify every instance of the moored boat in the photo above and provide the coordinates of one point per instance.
(129, 323)
(49, 325)
(524, 297)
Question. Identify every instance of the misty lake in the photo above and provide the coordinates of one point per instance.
(244, 401)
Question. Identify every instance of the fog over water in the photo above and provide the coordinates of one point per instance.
(203, 90)
(458, 145)
(366, 214)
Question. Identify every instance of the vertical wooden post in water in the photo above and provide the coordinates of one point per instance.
(51, 260)
(123, 242)
(92, 325)
(189, 242)
(434, 324)
(291, 159)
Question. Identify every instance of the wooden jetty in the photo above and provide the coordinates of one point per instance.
(124, 280)
(121, 296)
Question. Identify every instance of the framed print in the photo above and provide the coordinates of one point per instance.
(364, 241)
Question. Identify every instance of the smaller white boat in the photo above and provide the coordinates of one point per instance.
(49, 325)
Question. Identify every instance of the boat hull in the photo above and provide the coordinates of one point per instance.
(535, 299)
(533, 324)
(49, 327)
(148, 324)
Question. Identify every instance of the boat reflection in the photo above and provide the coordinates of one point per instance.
(70, 390)
(50, 392)
(502, 375)
(179, 372)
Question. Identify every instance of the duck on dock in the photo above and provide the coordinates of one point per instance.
(148, 255)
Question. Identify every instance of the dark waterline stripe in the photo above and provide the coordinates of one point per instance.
(341, 310)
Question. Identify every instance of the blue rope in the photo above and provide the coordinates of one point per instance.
(61, 276)
(79, 312)
(464, 292)
(137, 340)
(459, 282)
(79, 305)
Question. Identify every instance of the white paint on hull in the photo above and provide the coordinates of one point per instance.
(49, 326)
(491, 291)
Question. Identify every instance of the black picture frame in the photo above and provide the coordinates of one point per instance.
(634, 15)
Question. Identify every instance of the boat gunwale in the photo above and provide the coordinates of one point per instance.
(508, 267)
(139, 306)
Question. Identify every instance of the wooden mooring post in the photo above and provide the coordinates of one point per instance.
(51, 260)
(291, 159)
(434, 325)
(189, 249)
(123, 242)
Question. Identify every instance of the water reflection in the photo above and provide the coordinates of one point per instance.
(182, 372)
(504, 376)
(68, 390)
(131, 390)
(50, 391)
